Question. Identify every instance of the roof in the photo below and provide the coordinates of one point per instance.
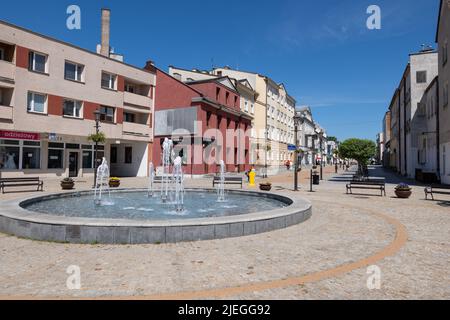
(180, 82)
(72, 45)
(217, 80)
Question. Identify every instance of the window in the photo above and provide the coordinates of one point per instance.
(129, 117)
(246, 106)
(190, 80)
(87, 156)
(227, 97)
(445, 102)
(72, 108)
(37, 102)
(108, 81)
(217, 94)
(37, 62)
(73, 71)
(31, 155)
(113, 154)
(177, 76)
(9, 154)
(55, 156)
(2, 54)
(252, 108)
(107, 114)
(421, 77)
(128, 155)
(445, 53)
(131, 88)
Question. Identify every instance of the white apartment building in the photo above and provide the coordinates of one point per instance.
(443, 38)
(312, 139)
(49, 91)
(273, 119)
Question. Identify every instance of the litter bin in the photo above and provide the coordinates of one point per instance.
(316, 178)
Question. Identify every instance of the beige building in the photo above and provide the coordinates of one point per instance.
(49, 91)
(443, 38)
(273, 120)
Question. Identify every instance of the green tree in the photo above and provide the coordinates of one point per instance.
(334, 139)
(359, 150)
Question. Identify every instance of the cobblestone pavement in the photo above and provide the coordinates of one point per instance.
(344, 230)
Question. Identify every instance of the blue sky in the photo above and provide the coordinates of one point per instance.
(321, 50)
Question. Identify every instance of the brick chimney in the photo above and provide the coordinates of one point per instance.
(106, 19)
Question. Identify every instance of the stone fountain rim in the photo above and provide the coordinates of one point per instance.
(16, 220)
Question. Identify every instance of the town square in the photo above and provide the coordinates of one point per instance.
(129, 171)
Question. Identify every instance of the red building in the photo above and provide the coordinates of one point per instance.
(204, 120)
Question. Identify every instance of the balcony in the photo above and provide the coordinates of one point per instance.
(7, 71)
(6, 113)
(140, 131)
(137, 100)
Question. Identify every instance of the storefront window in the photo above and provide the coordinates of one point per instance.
(9, 157)
(55, 159)
(87, 159)
(31, 158)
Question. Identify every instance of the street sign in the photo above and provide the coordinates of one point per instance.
(292, 147)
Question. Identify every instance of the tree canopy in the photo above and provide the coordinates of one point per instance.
(358, 149)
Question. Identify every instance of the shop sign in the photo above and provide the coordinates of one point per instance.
(19, 135)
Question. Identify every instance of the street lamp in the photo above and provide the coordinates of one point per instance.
(298, 119)
(97, 115)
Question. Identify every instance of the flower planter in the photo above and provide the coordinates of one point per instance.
(114, 184)
(403, 194)
(67, 185)
(265, 187)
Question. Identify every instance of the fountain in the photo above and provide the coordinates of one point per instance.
(102, 182)
(178, 181)
(151, 179)
(166, 162)
(221, 184)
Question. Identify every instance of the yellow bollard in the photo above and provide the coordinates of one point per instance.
(252, 177)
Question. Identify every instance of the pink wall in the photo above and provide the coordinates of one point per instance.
(209, 90)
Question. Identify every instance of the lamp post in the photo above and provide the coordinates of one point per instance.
(321, 154)
(297, 120)
(97, 114)
(266, 133)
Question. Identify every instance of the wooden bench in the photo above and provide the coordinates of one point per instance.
(436, 190)
(228, 181)
(21, 182)
(372, 184)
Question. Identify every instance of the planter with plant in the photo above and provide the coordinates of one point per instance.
(114, 182)
(265, 186)
(403, 191)
(67, 184)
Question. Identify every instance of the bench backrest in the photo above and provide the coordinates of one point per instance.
(368, 183)
(237, 179)
(10, 180)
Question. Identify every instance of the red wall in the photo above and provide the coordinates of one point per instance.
(171, 93)
(22, 57)
(209, 90)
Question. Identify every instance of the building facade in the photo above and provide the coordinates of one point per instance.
(273, 120)
(418, 75)
(205, 121)
(443, 38)
(49, 91)
(387, 139)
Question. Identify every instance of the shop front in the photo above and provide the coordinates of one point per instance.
(46, 155)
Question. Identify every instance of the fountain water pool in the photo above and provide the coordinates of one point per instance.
(137, 206)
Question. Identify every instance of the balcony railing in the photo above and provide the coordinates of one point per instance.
(137, 129)
(137, 100)
(7, 70)
(6, 113)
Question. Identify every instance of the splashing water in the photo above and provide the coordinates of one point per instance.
(221, 184)
(178, 180)
(151, 179)
(166, 162)
(102, 184)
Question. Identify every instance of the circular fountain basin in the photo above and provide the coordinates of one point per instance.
(131, 217)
